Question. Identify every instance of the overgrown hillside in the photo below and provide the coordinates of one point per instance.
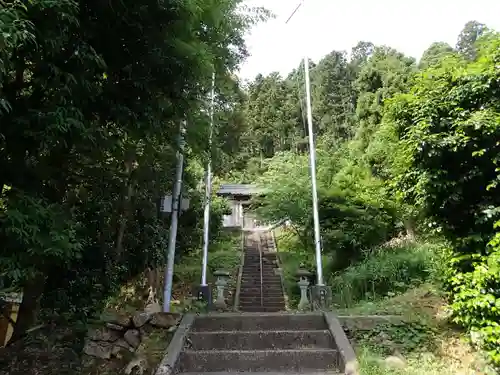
(404, 148)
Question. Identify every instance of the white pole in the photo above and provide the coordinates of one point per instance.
(169, 272)
(312, 159)
(208, 191)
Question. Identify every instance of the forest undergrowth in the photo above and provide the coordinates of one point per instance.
(393, 308)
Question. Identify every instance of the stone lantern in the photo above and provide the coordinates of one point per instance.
(221, 283)
(303, 276)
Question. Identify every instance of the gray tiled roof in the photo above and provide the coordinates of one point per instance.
(239, 189)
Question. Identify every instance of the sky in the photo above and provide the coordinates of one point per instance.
(321, 26)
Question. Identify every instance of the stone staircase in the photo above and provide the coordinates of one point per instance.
(262, 343)
(261, 287)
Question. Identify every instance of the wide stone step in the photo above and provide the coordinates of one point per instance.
(277, 292)
(266, 307)
(256, 283)
(262, 309)
(266, 274)
(268, 295)
(259, 322)
(261, 340)
(265, 373)
(267, 303)
(258, 360)
(251, 274)
(256, 298)
(268, 280)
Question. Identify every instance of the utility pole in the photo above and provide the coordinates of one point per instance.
(312, 162)
(169, 271)
(208, 192)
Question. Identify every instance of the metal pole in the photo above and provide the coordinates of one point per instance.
(208, 191)
(312, 160)
(169, 272)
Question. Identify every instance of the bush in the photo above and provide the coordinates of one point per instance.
(385, 270)
(349, 227)
(476, 301)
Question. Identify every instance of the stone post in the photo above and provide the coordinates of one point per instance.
(303, 283)
(221, 283)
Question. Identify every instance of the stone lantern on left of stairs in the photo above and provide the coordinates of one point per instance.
(221, 284)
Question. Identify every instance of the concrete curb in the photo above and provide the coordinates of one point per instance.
(236, 302)
(167, 365)
(347, 355)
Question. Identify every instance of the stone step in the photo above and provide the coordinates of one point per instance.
(257, 295)
(267, 271)
(265, 291)
(254, 288)
(259, 322)
(265, 274)
(255, 285)
(264, 373)
(261, 340)
(267, 296)
(265, 282)
(256, 265)
(257, 277)
(258, 360)
(262, 309)
(266, 302)
(266, 306)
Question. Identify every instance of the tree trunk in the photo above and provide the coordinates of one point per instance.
(126, 201)
(409, 224)
(30, 306)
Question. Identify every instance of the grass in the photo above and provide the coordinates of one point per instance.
(385, 271)
(424, 339)
(224, 254)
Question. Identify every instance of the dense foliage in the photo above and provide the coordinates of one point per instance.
(401, 147)
(92, 95)
(449, 126)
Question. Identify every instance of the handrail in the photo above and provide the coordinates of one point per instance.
(236, 303)
(261, 278)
